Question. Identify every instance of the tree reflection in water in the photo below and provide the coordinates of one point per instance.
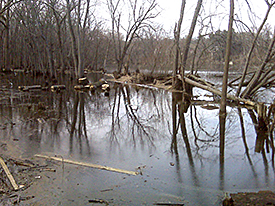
(203, 140)
(143, 124)
(78, 116)
(136, 124)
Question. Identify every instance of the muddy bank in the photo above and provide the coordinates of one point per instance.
(46, 182)
(261, 198)
(21, 181)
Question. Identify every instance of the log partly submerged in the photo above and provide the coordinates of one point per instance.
(83, 81)
(58, 87)
(87, 164)
(84, 87)
(39, 87)
(27, 88)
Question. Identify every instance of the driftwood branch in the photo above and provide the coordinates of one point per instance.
(87, 164)
(168, 204)
(9, 175)
(28, 88)
(58, 87)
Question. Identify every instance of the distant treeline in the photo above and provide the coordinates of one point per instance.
(55, 36)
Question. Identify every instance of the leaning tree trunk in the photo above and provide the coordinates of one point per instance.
(257, 77)
(189, 38)
(185, 97)
(177, 37)
(248, 57)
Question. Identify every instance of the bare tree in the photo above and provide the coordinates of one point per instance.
(261, 75)
(77, 31)
(60, 17)
(248, 58)
(139, 15)
(5, 21)
(7, 38)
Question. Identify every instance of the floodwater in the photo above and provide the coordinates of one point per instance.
(137, 129)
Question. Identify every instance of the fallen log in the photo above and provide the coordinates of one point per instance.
(79, 87)
(19, 199)
(83, 81)
(23, 163)
(198, 79)
(98, 201)
(9, 175)
(27, 88)
(105, 87)
(99, 83)
(87, 164)
(84, 87)
(55, 88)
(169, 204)
(217, 92)
(58, 87)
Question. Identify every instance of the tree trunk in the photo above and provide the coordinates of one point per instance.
(80, 69)
(177, 37)
(227, 59)
(79, 43)
(222, 116)
(6, 40)
(60, 48)
(106, 55)
(50, 58)
(187, 91)
(73, 39)
(189, 38)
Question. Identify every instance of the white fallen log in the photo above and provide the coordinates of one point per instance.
(87, 164)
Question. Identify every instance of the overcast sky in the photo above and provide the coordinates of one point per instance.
(171, 9)
(219, 9)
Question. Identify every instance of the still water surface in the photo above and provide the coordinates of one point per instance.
(134, 128)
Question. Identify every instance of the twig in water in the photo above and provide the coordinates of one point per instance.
(98, 201)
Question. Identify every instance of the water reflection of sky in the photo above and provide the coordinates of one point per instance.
(133, 127)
